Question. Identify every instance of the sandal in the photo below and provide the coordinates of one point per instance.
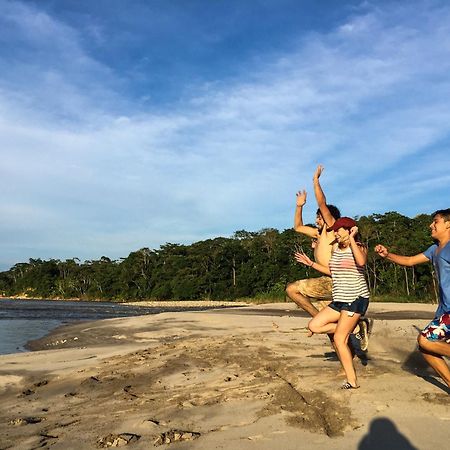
(347, 385)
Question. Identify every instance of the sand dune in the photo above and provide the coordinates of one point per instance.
(227, 379)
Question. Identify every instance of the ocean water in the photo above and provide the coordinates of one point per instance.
(25, 320)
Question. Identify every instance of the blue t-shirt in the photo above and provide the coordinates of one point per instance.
(441, 263)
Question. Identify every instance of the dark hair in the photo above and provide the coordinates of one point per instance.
(445, 213)
(359, 241)
(334, 211)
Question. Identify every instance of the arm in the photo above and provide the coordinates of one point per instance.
(302, 258)
(320, 198)
(399, 259)
(298, 218)
(359, 252)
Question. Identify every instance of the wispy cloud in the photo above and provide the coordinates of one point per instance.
(90, 173)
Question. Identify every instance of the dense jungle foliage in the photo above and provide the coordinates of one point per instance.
(249, 264)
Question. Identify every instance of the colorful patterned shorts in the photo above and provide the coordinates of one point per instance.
(438, 329)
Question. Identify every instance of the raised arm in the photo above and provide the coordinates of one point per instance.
(399, 259)
(298, 217)
(359, 251)
(320, 198)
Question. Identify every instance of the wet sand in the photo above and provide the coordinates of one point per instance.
(244, 378)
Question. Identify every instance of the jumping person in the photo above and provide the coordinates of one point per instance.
(350, 293)
(304, 292)
(434, 339)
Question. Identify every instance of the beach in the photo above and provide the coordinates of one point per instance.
(239, 378)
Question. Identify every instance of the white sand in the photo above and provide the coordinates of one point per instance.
(240, 381)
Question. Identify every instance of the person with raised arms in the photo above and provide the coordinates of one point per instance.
(306, 291)
(350, 292)
(319, 290)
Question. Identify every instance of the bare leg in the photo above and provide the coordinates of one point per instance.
(438, 347)
(325, 321)
(300, 300)
(433, 353)
(345, 326)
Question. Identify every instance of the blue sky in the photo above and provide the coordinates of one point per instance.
(129, 124)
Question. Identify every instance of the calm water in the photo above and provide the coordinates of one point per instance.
(24, 320)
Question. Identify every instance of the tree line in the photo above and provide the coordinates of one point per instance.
(248, 264)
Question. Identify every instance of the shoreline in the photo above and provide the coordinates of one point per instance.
(240, 378)
(84, 312)
(60, 337)
(64, 332)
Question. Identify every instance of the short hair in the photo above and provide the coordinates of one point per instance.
(444, 213)
(334, 211)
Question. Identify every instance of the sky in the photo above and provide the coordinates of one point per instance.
(130, 124)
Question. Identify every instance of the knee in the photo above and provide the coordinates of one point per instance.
(294, 290)
(313, 326)
(340, 340)
(290, 289)
(423, 342)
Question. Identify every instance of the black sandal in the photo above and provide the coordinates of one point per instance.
(347, 385)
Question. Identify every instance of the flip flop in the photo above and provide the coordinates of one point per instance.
(347, 385)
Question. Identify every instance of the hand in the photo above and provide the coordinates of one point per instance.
(381, 250)
(302, 258)
(318, 172)
(353, 231)
(301, 198)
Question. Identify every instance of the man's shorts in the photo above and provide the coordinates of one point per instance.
(315, 288)
(438, 329)
(359, 306)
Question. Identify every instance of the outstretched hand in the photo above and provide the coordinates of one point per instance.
(302, 258)
(318, 172)
(381, 250)
(301, 198)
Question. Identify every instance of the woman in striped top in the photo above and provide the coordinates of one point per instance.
(350, 292)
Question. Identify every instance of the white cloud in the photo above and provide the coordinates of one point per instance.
(365, 99)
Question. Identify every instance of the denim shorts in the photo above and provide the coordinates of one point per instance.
(359, 306)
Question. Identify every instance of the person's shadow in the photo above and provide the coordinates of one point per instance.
(383, 434)
(416, 364)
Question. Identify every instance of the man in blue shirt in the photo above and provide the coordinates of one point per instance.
(434, 340)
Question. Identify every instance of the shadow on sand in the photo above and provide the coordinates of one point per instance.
(416, 365)
(383, 434)
(436, 383)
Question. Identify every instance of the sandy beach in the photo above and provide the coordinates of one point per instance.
(242, 378)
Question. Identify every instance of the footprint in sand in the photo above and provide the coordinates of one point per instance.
(117, 440)
(26, 420)
(32, 389)
(172, 436)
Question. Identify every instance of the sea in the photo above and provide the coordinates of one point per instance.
(25, 320)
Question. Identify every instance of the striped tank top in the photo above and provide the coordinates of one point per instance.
(348, 278)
